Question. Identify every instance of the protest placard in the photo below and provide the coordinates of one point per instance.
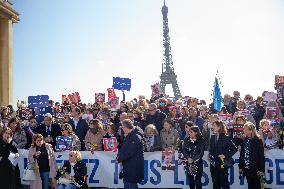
(65, 100)
(227, 118)
(26, 113)
(238, 131)
(270, 96)
(110, 144)
(114, 103)
(38, 101)
(279, 86)
(168, 159)
(272, 113)
(39, 104)
(63, 143)
(279, 79)
(121, 83)
(100, 97)
(156, 90)
(111, 93)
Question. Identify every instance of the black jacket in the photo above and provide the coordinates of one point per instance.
(140, 123)
(258, 115)
(80, 171)
(194, 150)
(132, 158)
(55, 132)
(256, 155)
(81, 130)
(222, 146)
(156, 120)
(8, 176)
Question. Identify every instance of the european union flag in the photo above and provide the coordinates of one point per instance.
(40, 105)
(121, 83)
(38, 101)
(217, 97)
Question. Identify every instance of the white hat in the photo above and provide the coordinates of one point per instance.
(48, 115)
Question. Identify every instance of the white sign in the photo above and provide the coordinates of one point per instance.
(103, 171)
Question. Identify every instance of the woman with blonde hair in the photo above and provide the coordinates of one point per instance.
(73, 174)
(142, 103)
(94, 136)
(252, 161)
(268, 134)
(41, 155)
(264, 126)
(152, 138)
(67, 131)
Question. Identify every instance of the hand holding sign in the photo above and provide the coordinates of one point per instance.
(279, 86)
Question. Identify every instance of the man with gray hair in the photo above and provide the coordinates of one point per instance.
(155, 117)
(131, 156)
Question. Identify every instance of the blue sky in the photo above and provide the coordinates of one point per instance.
(65, 46)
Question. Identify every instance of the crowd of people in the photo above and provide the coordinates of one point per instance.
(188, 125)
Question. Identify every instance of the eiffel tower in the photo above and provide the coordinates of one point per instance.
(168, 75)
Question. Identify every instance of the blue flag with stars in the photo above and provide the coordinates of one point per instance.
(217, 97)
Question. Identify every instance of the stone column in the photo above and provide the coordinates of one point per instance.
(6, 70)
(7, 17)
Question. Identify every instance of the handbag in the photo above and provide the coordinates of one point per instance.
(29, 174)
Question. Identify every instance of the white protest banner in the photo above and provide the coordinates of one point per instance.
(103, 171)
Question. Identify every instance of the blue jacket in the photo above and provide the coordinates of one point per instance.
(223, 146)
(81, 130)
(132, 158)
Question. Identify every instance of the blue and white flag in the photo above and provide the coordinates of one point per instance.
(217, 97)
